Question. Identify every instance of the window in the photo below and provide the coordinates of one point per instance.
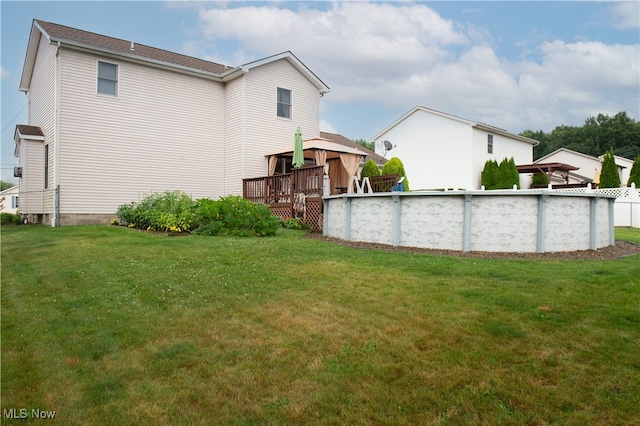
(46, 166)
(490, 144)
(14, 202)
(284, 103)
(107, 79)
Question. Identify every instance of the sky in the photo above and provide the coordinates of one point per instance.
(511, 64)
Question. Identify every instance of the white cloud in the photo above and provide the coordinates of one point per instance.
(400, 55)
(4, 73)
(625, 15)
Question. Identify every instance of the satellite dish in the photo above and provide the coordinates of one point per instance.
(388, 146)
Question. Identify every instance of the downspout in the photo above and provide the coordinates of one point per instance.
(56, 151)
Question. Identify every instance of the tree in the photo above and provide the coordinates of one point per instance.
(395, 167)
(5, 185)
(369, 145)
(609, 177)
(599, 133)
(634, 176)
(370, 169)
(489, 175)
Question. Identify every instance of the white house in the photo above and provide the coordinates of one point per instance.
(440, 150)
(111, 120)
(589, 167)
(9, 200)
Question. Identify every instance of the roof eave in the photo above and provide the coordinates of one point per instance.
(498, 131)
(136, 58)
(293, 60)
(30, 58)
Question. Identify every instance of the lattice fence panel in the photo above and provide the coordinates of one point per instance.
(313, 214)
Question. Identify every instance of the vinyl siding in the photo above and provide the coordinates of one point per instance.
(503, 147)
(263, 130)
(435, 151)
(41, 99)
(164, 131)
(233, 149)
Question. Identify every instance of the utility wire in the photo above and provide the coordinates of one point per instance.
(16, 116)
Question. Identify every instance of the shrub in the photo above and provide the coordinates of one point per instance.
(234, 215)
(540, 179)
(369, 169)
(294, 223)
(10, 219)
(508, 174)
(634, 175)
(489, 175)
(502, 176)
(395, 167)
(609, 177)
(168, 211)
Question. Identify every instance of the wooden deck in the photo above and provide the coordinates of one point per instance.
(297, 194)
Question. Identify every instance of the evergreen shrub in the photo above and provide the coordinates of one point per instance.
(609, 177)
(395, 167)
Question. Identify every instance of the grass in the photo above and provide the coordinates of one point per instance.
(106, 325)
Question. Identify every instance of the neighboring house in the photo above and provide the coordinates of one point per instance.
(111, 120)
(440, 150)
(9, 200)
(588, 167)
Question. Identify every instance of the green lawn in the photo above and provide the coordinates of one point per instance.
(108, 325)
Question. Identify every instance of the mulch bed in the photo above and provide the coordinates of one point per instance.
(620, 249)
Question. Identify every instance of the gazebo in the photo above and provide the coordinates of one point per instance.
(297, 192)
(340, 162)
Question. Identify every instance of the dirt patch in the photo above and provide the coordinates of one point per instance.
(619, 249)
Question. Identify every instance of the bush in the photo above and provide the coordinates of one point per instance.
(10, 219)
(294, 223)
(609, 177)
(634, 175)
(540, 179)
(168, 211)
(395, 167)
(234, 215)
(369, 169)
(489, 175)
(502, 176)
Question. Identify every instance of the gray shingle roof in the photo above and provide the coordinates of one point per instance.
(334, 137)
(85, 38)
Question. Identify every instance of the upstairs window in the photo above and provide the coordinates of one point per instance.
(284, 103)
(107, 79)
(490, 144)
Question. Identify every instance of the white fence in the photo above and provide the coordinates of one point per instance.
(627, 205)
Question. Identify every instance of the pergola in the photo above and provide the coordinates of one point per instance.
(549, 169)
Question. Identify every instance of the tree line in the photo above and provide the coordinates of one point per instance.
(598, 135)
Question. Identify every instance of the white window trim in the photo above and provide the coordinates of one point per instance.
(290, 104)
(107, 95)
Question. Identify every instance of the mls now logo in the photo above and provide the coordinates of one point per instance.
(24, 413)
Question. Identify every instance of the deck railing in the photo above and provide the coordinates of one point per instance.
(302, 187)
(383, 183)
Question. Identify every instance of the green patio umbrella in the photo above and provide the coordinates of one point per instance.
(298, 155)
